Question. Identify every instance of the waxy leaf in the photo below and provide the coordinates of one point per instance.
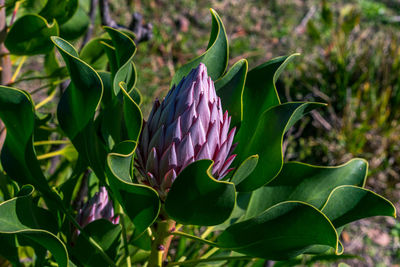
(18, 156)
(111, 55)
(30, 35)
(106, 234)
(230, 89)
(349, 203)
(93, 53)
(244, 169)
(307, 183)
(75, 26)
(19, 216)
(266, 141)
(61, 10)
(125, 50)
(197, 198)
(281, 232)
(132, 115)
(77, 107)
(8, 248)
(216, 56)
(260, 92)
(141, 203)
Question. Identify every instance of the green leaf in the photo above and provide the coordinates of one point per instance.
(77, 107)
(106, 234)
(281, 232)
(349, 203)
(307, 183)
(30, 35)
(9, 249)
(93, 53)
(75, 26)
(230, 89)
(141, 203)
(215, 58)
(132, 115)
(125, 50)
(20, 217)
(60, 10)
(266, 141)
(197, 198)
(136, 96)
(18, 156)
(244, 169)
(111, 55)
(260, 91)
(31, 6)
(238, 213)
(142, 242)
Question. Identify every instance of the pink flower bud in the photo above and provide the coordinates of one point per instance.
(188, 125)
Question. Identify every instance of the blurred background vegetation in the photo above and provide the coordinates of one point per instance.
(350, 59)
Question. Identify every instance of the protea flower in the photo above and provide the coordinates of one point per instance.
(188, 125)
(98, 207)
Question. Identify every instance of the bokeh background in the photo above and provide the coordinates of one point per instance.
(350, 59)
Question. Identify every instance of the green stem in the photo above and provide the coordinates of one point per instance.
(178, 233)
(161, 242)
(207, 232)
(228, 258)
(125, 237)
(90, 239)
(51, 142)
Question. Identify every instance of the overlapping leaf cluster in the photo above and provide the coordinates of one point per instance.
(266, 208)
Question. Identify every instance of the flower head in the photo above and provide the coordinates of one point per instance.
(98, 207)
(188, 125)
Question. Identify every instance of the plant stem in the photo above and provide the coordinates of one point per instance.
(160, 245)
(51, 154)
(124, 237)
(191, 262)
(207, 232)
(21, 62)
(195, 238)
(51, 142)
(46, 100)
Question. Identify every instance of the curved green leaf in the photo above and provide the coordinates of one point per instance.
(245, 169)
(197, 198)
(125, 50)
(260, 92)
(106, 234)
(281, 232)
(230, 89)
(307, 183)
(77, 107)
(266, 141)
(9, 249)
(18, 156)
(349, 203)
(75, 26)
(20, 217)
(94, 54)
(61, 10)
(111, 55)
(215, 58)
(132, 115)
(141, 203)
(30, 35)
